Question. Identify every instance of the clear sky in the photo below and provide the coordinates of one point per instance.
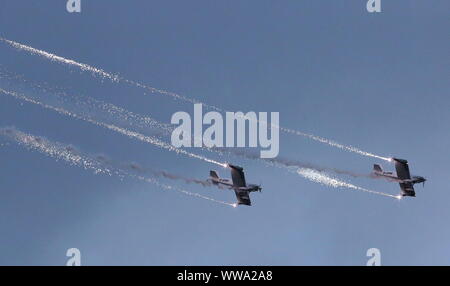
(376, 81)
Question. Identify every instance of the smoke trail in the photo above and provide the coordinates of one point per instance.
(62, 60)
(134, 167)
(138, 120)
(322, 178)
(312, 172)
(112, 127)
(96, 71)
(334, 144)
(116, 78)
(74, 157)
(90, 105)
(314, 175)
(56, 151)
(273, 162)
(293, 163)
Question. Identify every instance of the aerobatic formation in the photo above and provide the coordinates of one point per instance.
(133, 125)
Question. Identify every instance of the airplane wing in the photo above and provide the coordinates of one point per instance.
(401, 166)
(237, 175)
(407, 189)
(243, 197)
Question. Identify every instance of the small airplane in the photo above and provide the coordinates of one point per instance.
(237, 183)
(403, 177)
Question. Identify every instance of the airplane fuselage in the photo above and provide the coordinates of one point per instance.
(387, 175)
(229, 185)
(391, 177)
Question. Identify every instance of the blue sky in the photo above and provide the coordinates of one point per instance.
(376, 81)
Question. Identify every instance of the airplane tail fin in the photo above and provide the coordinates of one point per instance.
(213, 175)
(377, 168)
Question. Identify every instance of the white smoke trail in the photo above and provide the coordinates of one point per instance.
(131, 117)
(324, 179)
(56, 151)
(116, 78)
(112, 127)
(101, 108)
(62, 60)
(333, 143)
(96, 71)
(60, 151)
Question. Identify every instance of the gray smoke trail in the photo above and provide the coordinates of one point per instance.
(112, 127)
(137, 168)
(291, 163)
(74, 157)
(116, 78)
